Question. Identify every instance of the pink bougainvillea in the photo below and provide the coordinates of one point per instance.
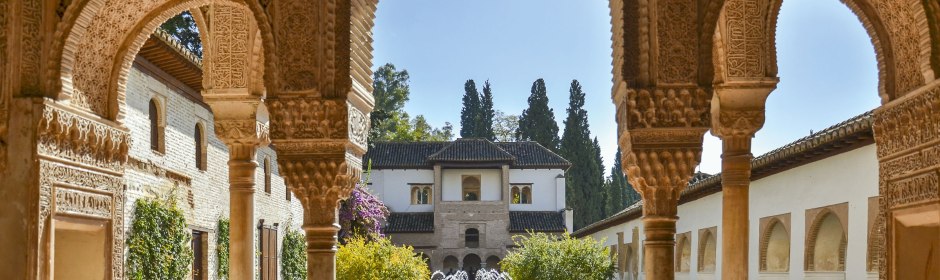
(362, 214)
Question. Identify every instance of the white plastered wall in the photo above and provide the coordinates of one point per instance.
(545, 196)
(393, 187)
(490, 183)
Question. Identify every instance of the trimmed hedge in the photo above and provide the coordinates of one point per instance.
(294, 256)
(378, 259)
(545, 257)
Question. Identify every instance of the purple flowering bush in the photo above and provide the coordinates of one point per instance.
(361, 215)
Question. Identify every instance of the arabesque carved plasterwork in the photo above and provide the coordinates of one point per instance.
(659, 165)
(230, 27)
(745, 38)
(320, 183)
(242, 131)
(905, 21)
(308, 118)
(69, 136)
(676, 27)
(71, 201)
(665, 107)
(358, 126)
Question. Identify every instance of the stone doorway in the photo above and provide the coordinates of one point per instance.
(80, 249)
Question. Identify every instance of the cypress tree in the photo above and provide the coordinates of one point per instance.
(470, 114)
(487, 114)
(537, 122)
(584, 180)
(617, 178)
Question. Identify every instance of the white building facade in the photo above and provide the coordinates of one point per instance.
(813, 211)
(460, 203)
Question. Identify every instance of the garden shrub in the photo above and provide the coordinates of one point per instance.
(360, 258)
(361, 215)
(221, 249)
(159, 242)
(294, 256)
(545, 257)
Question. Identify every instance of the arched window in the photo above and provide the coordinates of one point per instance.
(492, 262)
(156, 126)
(471, 238)
(521, 194)
(450, 264)
(200, 143)
(683, 254)
(420, 194)
(267, 175)
(471, 263)
(826, 245)
(707, 251)
(775, 248)
(471, 187)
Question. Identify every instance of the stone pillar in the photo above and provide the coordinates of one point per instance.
(242, 135)
(659, 163)
(319, 171)
(737, 114)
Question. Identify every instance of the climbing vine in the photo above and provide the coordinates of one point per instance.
(158, 243)
(294, 256)
(221, 249)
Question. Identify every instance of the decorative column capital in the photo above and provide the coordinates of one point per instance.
(737, 109)
(320, 183)
(659, 162)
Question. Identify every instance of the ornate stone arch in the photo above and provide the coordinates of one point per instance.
(94, 46)
(899, 32)
(813, 235)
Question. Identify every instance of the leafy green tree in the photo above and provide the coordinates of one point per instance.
(183, 28)
(505, 127)
(389, 120)
(294, 256)
(546, 257)
(159, 242)
(378, 259)
(470, 114)
(487, 114)
(585, 179)
(537, 122)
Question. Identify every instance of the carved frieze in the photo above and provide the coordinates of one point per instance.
(665, 107)
(308, 118)
(917, 189)
(901, 128)
(739, 123)
(358, 126)
(241, 131)
(928, 157)
(69, 136)
(70, 201)
(149, 167)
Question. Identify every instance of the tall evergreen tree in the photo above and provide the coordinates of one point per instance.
(487, 114)
(537, 123)
(584, 180)
(630, 196)
(470, 114)
(183, 28)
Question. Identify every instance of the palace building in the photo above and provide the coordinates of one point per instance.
(460, 203)
(814, 215)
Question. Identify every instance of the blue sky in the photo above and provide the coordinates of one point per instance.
(827, 66)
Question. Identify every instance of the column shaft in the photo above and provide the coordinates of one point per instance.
(321, 251)
(242, 209)
(736, 177)
(659, 247)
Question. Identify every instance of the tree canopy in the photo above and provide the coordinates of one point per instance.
(585, 179)
(183, 28)
(389, 120)
(537, 122)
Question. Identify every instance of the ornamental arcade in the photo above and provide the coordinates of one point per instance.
(297, 73)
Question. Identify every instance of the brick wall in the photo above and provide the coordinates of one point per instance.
(203, 195)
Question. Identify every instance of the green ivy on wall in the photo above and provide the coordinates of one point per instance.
(221, 249)
(158, 242)
(294, 256)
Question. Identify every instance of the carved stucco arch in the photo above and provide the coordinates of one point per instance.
(899, 33)
(95, 44)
